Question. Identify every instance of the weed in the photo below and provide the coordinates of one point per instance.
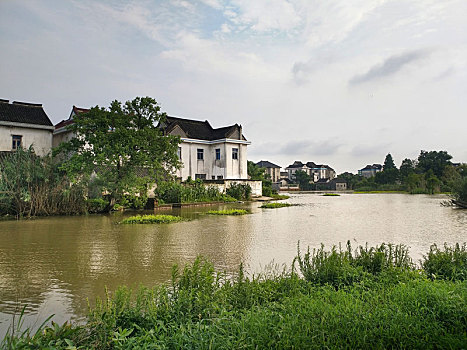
(151, 219)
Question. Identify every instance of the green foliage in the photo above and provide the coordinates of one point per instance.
(151, 219)
(228, 212)
(279, 196)
(31, 185)
(435, 161)
(96, 205)
(341, 268)
(275, 205)
(257, 173)
(351, 179)
(391, 307)
(239, 191)
(303, 180)
(331, 195)
(389, 163)
(449, 264)
(122, 145)
(190, 192)
(459, 190)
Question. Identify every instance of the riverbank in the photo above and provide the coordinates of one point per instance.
(335, 299)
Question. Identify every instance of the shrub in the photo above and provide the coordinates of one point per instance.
(239, 191)
(448, 264)
(96, 205)
(190, 192)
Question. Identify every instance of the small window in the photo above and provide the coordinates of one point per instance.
(218, 153)
(16, 141)
(234, 153)
(200, 154)
(179, 153)
(220, 177)
(213, 177)
(200, 176)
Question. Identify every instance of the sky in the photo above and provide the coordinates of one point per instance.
(335, 82)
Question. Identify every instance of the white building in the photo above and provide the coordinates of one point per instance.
(61, 132)
(23, 125)
(207, 153)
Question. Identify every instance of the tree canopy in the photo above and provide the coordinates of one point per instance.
(122, 145)
(436, 161)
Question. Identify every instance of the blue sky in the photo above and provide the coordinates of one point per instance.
(335, 82)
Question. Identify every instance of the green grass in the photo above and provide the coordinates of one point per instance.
(151, 219)
(379, 191)
(370, 297)
(228, 212)
(331, 195)
(275, 205)
(279, 196)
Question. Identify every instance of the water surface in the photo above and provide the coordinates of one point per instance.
(53, 265)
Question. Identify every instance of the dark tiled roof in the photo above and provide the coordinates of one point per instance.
(199, 130)
(266, 164)
(296, 164)
(373, 167)
(311, 165)
(21, 112)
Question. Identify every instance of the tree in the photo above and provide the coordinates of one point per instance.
(303, 179)
(407, 167)
(122, 145)
(433, 160)
(350, 179)
(257, 173)
(389, 163)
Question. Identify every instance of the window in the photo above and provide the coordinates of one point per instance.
(179, 153)
(213, 177)
(16, 141)
(200, 176)
(200, 154)
(218, 153)
(234, 153)
(220, 177)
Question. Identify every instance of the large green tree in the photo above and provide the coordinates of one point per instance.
(122, 145)
(436, 161)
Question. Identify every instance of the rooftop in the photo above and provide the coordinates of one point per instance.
(23, 112)
(266, 164)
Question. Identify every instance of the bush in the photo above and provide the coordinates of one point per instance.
(239, 191)
(190, 192)
(96, 205)
(448, 264)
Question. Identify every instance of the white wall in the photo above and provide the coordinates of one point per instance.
(226, 167)
(40, 139)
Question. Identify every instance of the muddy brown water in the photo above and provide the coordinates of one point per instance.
(53, 265)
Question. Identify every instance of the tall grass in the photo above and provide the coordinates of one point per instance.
(202, 308)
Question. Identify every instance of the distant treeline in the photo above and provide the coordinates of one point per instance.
(432, 172)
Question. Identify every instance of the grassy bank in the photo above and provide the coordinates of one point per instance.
(228, 212)
(372, 297)
(151, 219)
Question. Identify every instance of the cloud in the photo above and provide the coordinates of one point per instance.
(374, 150)
(391, 66)
(300, 148)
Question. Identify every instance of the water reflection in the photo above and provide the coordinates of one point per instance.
(54, 264)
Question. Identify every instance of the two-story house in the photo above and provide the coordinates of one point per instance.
(370, 170)
(23, 125)
(273, 170)
(208, 153)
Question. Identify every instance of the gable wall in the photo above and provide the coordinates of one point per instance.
(39, 138)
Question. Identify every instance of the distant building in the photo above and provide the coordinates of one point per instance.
(273, 170)
(370, 170)
(208, 153)
(23, 125)
(316, 171)
(61, 132)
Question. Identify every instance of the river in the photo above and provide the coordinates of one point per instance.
(53, 265)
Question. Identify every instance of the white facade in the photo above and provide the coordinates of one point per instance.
(39, 136)
(221, 159)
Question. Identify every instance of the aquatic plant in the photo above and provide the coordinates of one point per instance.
(279, 196)
(151, 219)
(275, 205)
(228, 212)
(331, 195)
